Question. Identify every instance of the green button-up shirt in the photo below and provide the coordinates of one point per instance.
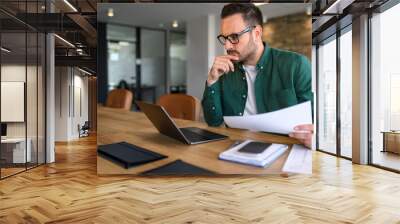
(283, 80)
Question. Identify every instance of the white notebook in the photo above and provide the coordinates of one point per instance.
(263, 159)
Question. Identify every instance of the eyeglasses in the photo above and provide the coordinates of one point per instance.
(234, 37)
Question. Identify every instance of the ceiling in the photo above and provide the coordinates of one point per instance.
(139, 14)
(75, 23)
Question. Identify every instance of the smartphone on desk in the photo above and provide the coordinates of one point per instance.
(254, 147)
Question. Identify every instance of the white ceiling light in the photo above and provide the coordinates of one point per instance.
(5, 50)
(110, 12)
(70, 5)
(260, 3)
(65, 41)
(175, 24)
(338, 6)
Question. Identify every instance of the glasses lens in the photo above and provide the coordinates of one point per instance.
(221, 39)
(233, 38)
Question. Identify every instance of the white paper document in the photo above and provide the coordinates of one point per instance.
(281, 121)
(266, 158)
(299, 160)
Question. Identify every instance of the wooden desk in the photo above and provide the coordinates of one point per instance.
(14, 151)
(115, 125)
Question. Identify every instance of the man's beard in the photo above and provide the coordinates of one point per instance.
(250, 51)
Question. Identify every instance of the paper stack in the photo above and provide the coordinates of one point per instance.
(267, 157)
(299, 160)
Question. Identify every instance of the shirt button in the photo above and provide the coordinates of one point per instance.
(244, 95)
(213, 108)
(244, 78)
(261, 67)
(212, 91)
(240, 114)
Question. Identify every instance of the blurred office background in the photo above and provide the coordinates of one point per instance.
(355, 74)
(48, 79)
(172, 51)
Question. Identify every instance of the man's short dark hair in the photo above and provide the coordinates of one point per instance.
(250, 13)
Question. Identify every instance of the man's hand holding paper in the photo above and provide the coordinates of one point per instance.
(304, 134)
(295, 121)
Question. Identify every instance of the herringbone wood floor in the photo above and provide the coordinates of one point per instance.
(69, 191)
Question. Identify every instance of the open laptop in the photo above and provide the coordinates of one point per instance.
(165, 125)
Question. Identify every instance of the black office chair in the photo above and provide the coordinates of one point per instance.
(84, 130)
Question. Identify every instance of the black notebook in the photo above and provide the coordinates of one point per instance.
(178, 168)
(128, 155)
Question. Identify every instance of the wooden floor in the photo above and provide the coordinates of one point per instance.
(69, 191)
(387, 159)
(5, 172)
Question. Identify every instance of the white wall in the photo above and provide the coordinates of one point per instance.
(71, 102)
(33, 125)
(17, 73)
(61, 103)
(202, 47)
(198, 58)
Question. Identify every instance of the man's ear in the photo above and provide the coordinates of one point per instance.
(258, 30)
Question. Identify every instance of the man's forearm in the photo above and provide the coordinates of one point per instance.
(211, 103)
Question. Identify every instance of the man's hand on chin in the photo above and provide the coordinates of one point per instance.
(303, 133)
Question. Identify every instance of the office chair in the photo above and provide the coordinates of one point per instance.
(84, 129)
(181, 106)
(119, 98)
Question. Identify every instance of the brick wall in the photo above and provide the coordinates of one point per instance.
(291, 33)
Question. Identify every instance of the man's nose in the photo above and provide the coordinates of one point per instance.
(228, 45)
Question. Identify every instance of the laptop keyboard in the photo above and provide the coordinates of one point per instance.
(192, 136)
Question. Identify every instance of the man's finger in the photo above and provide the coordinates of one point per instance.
(231, 57)
(303, 131)
(228, 62)
(220, 69)
(309, 127)
(231, 66)
(222, 66)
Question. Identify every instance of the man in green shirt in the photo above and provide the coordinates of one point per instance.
(254, 78)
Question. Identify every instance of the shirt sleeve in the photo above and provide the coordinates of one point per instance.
(212, 106)
(302, 79)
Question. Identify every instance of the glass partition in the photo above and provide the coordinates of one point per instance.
(178, 57)
(22, 88)
(153, 67)
(346, 93)
(327, 96)
(121, 41)
(14, 145)
(385, 89)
